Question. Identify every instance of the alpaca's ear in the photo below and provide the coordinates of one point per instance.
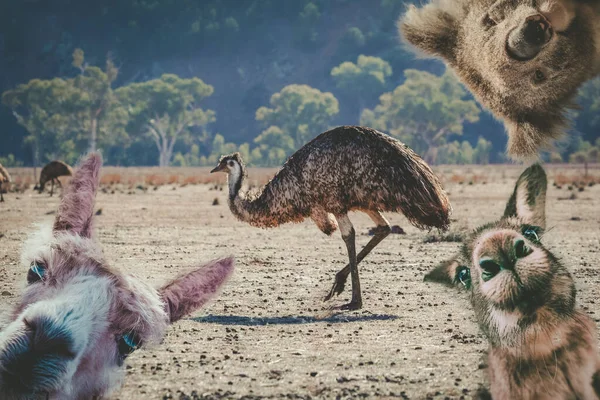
(528, 201)
(450, 273)
(431, 29)
(194, 289)
(77, 204)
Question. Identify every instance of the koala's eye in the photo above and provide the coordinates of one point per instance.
(539, 76)
(532, 233)
(36, 272)
(463, 275)
(487, 21)
(230, 163)
(127, 344)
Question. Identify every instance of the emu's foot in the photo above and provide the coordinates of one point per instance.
(338, 286)
(353, 305)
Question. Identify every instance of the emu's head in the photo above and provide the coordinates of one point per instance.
(78, 319)
(514, 281)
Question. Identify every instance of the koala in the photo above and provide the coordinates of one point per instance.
(542, 346)
(522, 59)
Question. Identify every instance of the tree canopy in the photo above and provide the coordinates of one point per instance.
(299, 111)
(424, 111)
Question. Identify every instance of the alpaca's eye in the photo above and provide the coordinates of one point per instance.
(463, 275)
(36, 272)
(127, 344)
(532, 233)
(539, 76)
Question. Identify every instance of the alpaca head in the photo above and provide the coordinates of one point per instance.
(514, 281)
(78, 319)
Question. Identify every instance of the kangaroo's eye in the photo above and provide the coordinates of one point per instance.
(36, 273)
(127, 344)
(463, 275)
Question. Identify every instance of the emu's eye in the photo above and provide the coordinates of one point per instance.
(463, 275)
(36, 273)
(532, 233)
(230, 163)
(487, 21)
(127, 344)
(539, 76)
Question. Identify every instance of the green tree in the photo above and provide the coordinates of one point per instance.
(424, 111)
(364, 80)
(588, 118)
(38, 107)
(166, 110)
(482, 152)
(97, 109)
(299, 111)
(275, 144)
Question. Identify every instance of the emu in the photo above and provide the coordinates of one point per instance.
(51, 172)
(345, 169)
(4, 178)
(79, 318)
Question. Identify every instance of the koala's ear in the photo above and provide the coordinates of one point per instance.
(431, 29)
(450, 273)
(194, 289)
(528, 200)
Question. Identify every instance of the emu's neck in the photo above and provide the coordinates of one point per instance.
(257, 211)
(238, 203)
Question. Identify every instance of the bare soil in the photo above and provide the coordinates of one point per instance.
(269, 334)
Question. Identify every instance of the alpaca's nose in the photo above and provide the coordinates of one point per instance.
(48, 337)
(526, 41)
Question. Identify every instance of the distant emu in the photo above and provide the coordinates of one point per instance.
(51, 172)
(345, 169)
(78, 319)
(542, 345)
(4, 178)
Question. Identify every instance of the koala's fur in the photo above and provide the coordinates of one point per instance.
(531, 97)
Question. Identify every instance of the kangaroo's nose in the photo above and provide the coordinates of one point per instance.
(525, 42)
(520, 249)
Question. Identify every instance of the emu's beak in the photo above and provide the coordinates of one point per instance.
(218, 168)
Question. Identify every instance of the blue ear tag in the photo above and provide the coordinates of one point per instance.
(39, 271)
(129, 341)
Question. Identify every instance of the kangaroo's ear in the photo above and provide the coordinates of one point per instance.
(75, 212)
(528, 201)
(450, 273)
(526, 138)
(194, 289)
(431, 29)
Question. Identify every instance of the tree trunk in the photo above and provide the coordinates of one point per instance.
(93, 134)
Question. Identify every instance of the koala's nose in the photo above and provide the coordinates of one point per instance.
(525, 42)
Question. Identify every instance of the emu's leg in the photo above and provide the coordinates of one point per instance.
(381, 231)
(348, 234)
(1, 196)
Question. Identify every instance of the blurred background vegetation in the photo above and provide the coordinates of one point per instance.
(181, 82)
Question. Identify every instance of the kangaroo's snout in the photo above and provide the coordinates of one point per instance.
(526, 41)
(502, 254)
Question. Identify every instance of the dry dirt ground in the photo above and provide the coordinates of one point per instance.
(269, 335)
